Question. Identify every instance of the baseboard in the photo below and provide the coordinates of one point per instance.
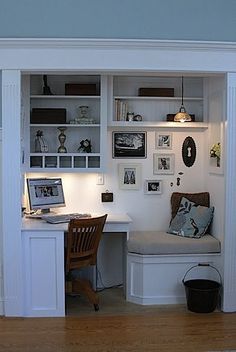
(158, 300)
(1, 306)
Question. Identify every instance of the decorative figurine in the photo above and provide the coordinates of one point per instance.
(83, 111)
(85, 146)
(40, 143)
(46, 88)
(62, 139)
(83, 115)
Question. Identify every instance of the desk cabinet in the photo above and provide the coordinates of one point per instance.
(43, 273)
(43, 264)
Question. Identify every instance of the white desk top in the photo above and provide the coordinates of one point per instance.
(29, 224)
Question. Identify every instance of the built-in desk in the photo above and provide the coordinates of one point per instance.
(43, 263)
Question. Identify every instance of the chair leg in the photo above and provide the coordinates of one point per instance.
(84, 286)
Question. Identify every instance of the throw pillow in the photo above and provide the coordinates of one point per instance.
(191, 220)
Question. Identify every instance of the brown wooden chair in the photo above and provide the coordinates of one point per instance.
(82, 243)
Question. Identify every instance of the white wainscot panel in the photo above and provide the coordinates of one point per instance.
(43, 268)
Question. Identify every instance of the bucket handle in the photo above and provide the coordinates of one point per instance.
(202, 264)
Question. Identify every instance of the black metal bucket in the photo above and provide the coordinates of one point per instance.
(202, 295)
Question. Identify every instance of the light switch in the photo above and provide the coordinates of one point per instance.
(100, 179)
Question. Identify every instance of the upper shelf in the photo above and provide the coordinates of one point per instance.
(129, 97)
(159, 124)
(65, 96)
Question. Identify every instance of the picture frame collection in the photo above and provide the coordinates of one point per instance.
(133, 145)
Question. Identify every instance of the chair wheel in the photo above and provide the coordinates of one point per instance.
(96, 307)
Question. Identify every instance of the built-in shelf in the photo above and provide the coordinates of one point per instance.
(65, 97)
(153, 111)
(158, 124)
(75, 159)
(127, 97)
(72, 125)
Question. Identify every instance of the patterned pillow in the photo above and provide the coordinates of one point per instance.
(191, 220)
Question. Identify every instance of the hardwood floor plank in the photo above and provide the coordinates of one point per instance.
(120, 326)
(166, 330)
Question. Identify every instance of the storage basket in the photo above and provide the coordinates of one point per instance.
(202, 295)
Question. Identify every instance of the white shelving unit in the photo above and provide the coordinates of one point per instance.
(102, 109)
(155, 109)
(74, 160)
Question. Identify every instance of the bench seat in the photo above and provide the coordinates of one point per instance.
(157, 262)
(160, 242)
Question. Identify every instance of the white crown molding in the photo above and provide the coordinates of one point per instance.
(53, 43)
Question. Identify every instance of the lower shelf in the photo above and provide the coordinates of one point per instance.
(64, 161)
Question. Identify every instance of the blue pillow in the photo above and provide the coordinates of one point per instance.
(191, 220)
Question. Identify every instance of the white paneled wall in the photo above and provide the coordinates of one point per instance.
(1, 237)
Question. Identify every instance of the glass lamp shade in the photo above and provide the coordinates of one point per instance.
(182, 115)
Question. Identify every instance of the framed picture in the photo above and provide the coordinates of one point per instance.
(163, 164)
(153, 187)
(163, 140)
(129, 144)
(129, 176)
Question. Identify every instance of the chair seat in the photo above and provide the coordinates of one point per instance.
(160, 242)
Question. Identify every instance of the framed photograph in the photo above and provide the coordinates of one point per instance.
(163, 140)
(129, 176)
(163, 164)
(153, 187)
(129, 144)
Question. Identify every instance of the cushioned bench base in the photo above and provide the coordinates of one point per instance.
(157, 263)
(159, 242)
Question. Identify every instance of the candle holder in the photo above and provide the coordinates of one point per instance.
(62, 139)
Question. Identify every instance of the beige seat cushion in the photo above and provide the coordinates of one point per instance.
(160, 242)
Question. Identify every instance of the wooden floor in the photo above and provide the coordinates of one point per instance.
(134, 328)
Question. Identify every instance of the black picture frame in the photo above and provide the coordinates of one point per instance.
(129, 145)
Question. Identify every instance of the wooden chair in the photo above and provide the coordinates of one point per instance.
(82, 243)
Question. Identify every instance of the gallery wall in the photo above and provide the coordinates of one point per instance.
(148, 211)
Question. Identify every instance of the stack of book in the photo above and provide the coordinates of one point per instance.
(121, 109)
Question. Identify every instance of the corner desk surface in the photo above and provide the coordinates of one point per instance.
(114, 223)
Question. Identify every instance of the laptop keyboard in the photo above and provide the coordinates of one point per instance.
(63, 218)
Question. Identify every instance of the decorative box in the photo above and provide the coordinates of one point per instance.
(156, 92)
(80, 89)
(48, 115)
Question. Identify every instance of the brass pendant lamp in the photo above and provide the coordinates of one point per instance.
(182, 115)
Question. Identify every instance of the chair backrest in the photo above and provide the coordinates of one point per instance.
(202, 198)
(82, 241)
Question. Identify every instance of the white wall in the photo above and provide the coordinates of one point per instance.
(149, 212)
(215, 178)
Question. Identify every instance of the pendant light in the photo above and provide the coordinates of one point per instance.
(182, 115)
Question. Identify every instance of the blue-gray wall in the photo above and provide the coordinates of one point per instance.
(153, 19)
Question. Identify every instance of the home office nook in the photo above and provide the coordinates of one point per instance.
(107, 124)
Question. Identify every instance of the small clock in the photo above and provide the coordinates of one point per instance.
(137, 118)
